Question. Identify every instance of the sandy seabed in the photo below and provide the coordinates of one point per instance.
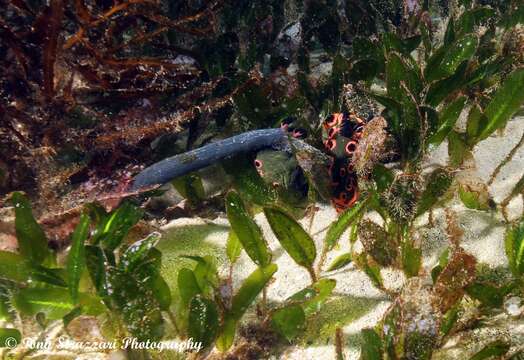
(357, 304)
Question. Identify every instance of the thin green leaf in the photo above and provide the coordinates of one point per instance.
(73, 314)
(477, 200)
(343, 222)
(289, 321)
(448, 118)
(452, 56)
(371, 270)
(399, 73)
(293, 238)
(363, 48)
(475, 120)
(76, 259)
(147, 273)
(474, 17)
(5, 310)
(458, 150)
(353, 234)
(250, 289)
(227, 334)
(430, 71)
(378, 243)
(190, 187)
(392, 42)
(340, 262)
(55, 276)
(54, 303)
(404, 86)
(244, 297)
(115, 226)
(143, 261)
(203, 320)
(514, 246)
(14, 267)
(519, 187)
(205, 273)
(371, 348)
(426, 38)
(506, 101)
(137, 253)
(411, 259)
(496, 348)
(233, 247)
(160, 290)
(461, 50)
(442, 89)
(391, 330)
(489, 295)
(187, 285)
(443, 261)
(97, 262)
(450, 319)
(312, 297)
(485, 71)
(438, 182)
(383, 177)
(449, 36)
(364, 70)
(248, 232)
(31, 238)
(137, 305)
(410, 44)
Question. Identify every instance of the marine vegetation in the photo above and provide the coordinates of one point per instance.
(120, 119)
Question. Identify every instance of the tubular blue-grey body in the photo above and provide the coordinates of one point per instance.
(181, 164)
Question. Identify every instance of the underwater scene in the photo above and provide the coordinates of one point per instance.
(261, 179)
